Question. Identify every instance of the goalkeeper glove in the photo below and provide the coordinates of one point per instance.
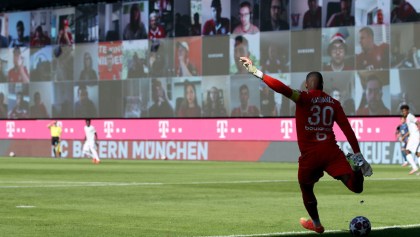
(251, 68)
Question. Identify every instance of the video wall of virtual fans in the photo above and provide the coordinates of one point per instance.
(180, 58)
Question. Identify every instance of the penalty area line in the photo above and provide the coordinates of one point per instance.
(309, 232)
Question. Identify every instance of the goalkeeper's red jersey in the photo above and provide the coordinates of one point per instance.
(316, 113)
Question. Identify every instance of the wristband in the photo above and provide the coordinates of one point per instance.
(258, 73)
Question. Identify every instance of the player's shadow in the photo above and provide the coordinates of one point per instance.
(385, 232)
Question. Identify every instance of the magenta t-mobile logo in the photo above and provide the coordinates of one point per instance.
(108, 128)
(163, 128)
(357, 125)
(10, 128)
(286, 128)
(222, 128)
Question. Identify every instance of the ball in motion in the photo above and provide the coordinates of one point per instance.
(12, 154)
(360, 226)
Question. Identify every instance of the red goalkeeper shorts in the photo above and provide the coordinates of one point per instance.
(326, 157)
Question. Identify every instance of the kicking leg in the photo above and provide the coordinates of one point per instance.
(353, 181)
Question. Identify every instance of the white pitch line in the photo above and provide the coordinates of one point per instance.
(25, 206)
(63, 184)
(306, 232)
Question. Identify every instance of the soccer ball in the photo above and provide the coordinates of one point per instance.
(360, 226)
(12, 154)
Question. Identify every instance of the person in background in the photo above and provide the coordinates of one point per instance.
(111, 72)
(136, 67)
(84, 107)
(342, 18)
(241, 50)
(65, 36)
(87, 72)
(55, 138)
(275, 22)
(21, 109)
(312, 17)
(156, 31)
(40, 39)
(38, 110)
(214, 106)
(337, 50)
(18, 73)
(195, 29)
(411, 149)
(245, 15)
(402, 136)
(21, 40)
(189, 106)
(156, 59)
(379, 17)
(161, 108)
(218, 25)
(185, 67)
(245, 109)
(276, 61)
(134, 29)
(372, 57)
(316, 140)
(91, 142)
(373, 96)
(403, 12)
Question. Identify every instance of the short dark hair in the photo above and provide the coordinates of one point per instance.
(246, 4)
(241, 40)
(243, 86)
(216, 4)
(318, 76)
(20, 24)
(404, 107)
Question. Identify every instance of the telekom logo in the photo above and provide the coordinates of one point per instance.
(163, 128)
(286, 128)
(59, 124)
(10, 128)
(357, 125)
(108, 128)
(222, 128)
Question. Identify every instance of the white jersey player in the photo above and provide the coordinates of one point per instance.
(413, 137)
(89, 148)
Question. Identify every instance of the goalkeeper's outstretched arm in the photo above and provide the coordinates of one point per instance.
(274, 84)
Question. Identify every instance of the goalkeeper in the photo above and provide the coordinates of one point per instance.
(55, 138)
(316, 113)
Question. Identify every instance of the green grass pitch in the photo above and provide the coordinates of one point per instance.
(73, 197)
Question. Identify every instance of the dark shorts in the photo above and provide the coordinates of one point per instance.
(326, 157)
(55, 140)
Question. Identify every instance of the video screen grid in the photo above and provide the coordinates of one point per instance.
(179, 58)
